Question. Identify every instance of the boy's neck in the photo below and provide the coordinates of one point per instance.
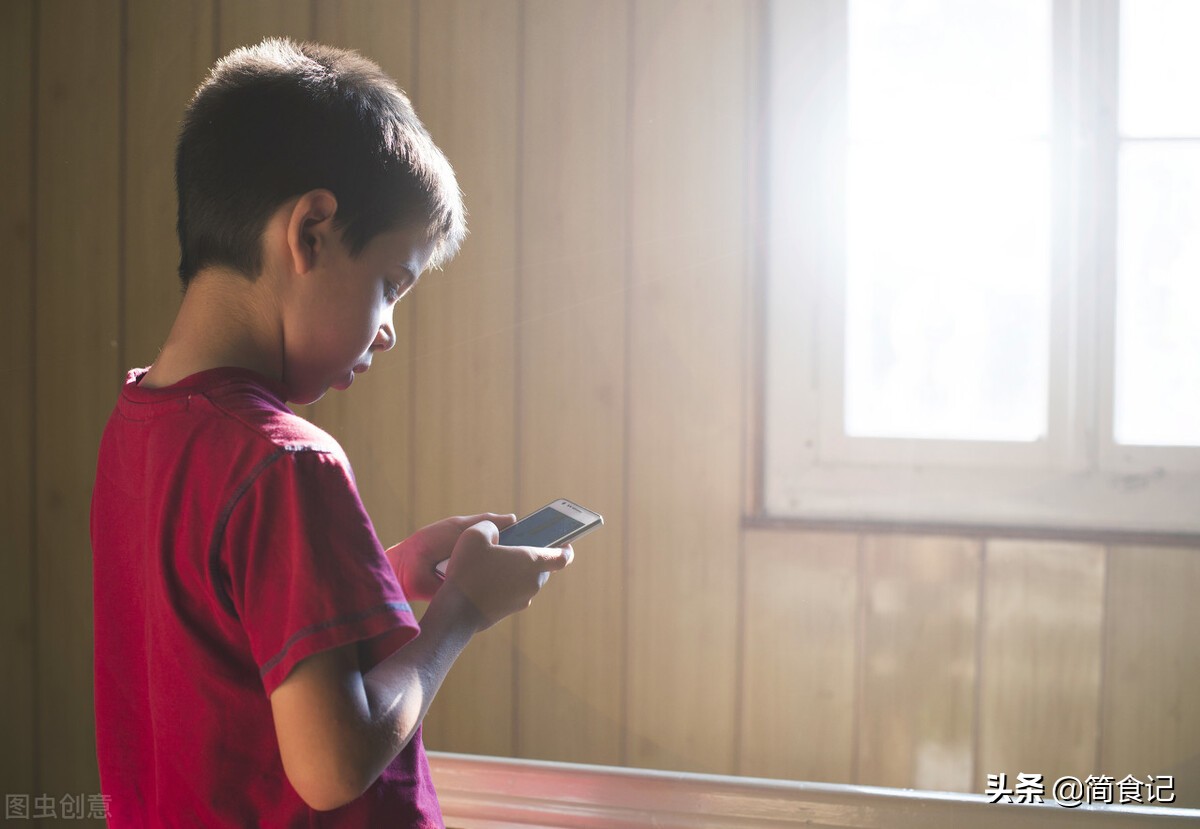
(223, 321)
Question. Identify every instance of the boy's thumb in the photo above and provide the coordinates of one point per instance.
(560, 559)
(487, 529)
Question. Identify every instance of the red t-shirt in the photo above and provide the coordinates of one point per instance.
(229, 543)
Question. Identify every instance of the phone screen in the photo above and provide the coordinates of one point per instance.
(544, 528)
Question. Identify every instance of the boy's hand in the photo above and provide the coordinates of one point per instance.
(498, 581)
(414, 558)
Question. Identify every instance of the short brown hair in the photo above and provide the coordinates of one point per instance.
(278, 119)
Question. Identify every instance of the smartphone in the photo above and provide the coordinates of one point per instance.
(551, 526)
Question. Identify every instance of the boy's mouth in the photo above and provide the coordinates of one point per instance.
(358, 369)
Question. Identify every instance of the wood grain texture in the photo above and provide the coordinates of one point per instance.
(919, 662)
(16, 416)
(799, 674)
(373, 419)
(170, 47)
(244, 24)
(688, 193)
(76, 340)
(503, 793)
(753, 391)
(1042, 644)
(464, 350)
(571, 335)
(560, 177)
(1150, 721)
(382, 30)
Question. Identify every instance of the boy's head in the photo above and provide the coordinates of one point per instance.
(280, 119)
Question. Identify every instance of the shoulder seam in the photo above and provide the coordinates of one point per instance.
(214, 547)
(253, 429)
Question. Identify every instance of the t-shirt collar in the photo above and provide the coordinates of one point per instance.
(201, 381)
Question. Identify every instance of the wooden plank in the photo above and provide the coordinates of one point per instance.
(1042, 644)
(571, 335)
(243, 24)
(919, 662)
(1150, 724)
(16, 416)
(464, 353)
(689, 246)
(374, 421)
(754, 321)
(502, 793)
(77, 333)
(799, 670)
(382, 30)
(170, 47)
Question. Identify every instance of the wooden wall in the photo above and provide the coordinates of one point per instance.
(596, 339)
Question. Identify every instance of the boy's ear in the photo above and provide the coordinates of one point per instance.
(310, 228)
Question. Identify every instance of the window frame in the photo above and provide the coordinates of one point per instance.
(1077, 478)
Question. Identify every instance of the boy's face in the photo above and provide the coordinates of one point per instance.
(342, 311)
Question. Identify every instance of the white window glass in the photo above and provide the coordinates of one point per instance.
(1159, 68)
(939, 67)
(1157, 338)
(1157, 391)
(947, 219)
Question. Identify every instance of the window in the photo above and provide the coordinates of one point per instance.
(984, 264)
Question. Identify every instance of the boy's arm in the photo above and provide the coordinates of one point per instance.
(339, 728)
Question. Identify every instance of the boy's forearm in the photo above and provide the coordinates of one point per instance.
(400, 689)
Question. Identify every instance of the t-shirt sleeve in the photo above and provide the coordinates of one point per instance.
(305, 569)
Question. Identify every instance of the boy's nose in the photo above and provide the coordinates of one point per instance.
(385, 339)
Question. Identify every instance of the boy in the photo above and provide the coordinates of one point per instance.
(256, 655)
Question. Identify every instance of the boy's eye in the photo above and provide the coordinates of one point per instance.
(393, 292)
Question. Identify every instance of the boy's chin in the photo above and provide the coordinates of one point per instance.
(344, 383)
(304, 398)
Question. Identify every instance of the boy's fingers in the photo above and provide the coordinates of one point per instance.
(485, 528)
(500, 520)
(555, 558)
